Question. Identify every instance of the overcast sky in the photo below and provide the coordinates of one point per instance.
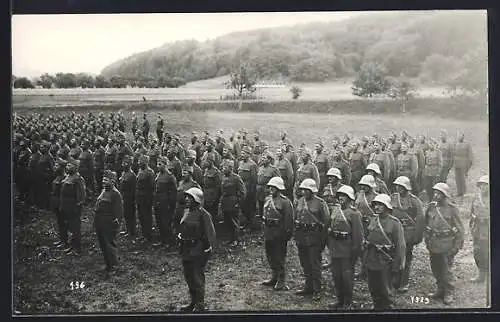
(87, 43)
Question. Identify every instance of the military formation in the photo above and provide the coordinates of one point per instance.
(366, 202)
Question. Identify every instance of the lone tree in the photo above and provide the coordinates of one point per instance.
(242, 81)
(402, 89)
(296, 91)
(371, 80)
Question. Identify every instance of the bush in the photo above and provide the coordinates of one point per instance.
(296, 91)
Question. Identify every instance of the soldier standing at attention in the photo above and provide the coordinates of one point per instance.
(98, 163)
(407, 165)
(212, 179)
(446, 149)
(144, 190)
(145, 128)
(264, 174)
(286, 171)
(123, 149)
(410, 212)
(72, 199)
(45, 169)
(340, 163)
(232, 193)
(381, 160)
(197, 172)
(357, 163)
(186, 183)
(127, 186)
(432, 169)
(56, 204)
(307, 170)
(174, 165)
(258, 147)
(159, 128)
(197, 239)
(135, 124)
(165, 201)
(480, 229)
(278, 230)
(87, 167)
(320, 160)
(311, 230)
(385, 251)
(462, 160)
(444, 237)
(345, 236)
(107, 217)
(247, 170)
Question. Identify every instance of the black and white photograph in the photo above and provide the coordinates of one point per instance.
(186, 163)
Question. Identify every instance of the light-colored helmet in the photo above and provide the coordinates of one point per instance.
(196, 193)
(276, 182)
(483, 179)
(347, 190)
(383, 199)
(335, 172)
(368, 180)
(374, 167)
(442, 187)
(404, 182)
(309, 184)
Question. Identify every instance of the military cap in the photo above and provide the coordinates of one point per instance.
(110, 176)
(192, 153)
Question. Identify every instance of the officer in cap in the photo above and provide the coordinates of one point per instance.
(144, 196)
(127, 185)
(247, 170)
(444, 237)
(197, 239)
(107, 217)
(60, 174)
(307, 170)
(384, 253)
(278, 230)
(233, 192)
(266, 171)
(186, 183)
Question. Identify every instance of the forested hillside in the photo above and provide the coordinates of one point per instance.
(434, 46)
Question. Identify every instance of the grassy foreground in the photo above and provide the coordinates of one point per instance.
(152, 279)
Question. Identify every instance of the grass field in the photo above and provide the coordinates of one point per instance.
(152, 280)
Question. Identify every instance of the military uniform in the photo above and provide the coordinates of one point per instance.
(264, 174)
(45, 171)
(382, 160)
(145, 129)
(381, 187)
(232, 193)
(363, 204)
(214, 155)
(407, 165)
(444, 237)
(159, 129)
(258, 148)
(22, 183)
(345, 236)
(55, 202)
(358, 165)
(72, 198)
(432, 169)
(286, 172)
(330, 194)
(384, 252)
(86, 170)
(144, 190)
(154, 154)
(278, 229)
(99, 167)
(480, 230)
(305, 171)
(311, 230)
(345, 170)
(110, 158)
(212, 179)
(165, 204)
(34, 178)
(321, 162)
(447, 152)
(463, 162)
(127, 187)
(248, 174)
(409, 210)
(182, 187)
(174, 165)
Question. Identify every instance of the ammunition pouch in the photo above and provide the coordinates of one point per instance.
(307, 227)
(339, 235)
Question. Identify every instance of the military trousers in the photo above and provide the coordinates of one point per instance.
(310, 260)
(276, 257)
(106, 236)
(403, 277)
(342, 269)
(164, 216)
(443, 176)
(145, 211)
(248, 206)
(62, 226)
(129, 215)
(212, 206)
(232, 223)
(73, 219)
(194, 274)
(440, 266)
(460, 181)
(88, 177)
(481, 254)
(44, 188)
(378, 285)
(427, 183)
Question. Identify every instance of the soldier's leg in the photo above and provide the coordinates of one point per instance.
(270, 252)
(199, 281)
(405, 275)
(129, 215)
(157, 211)
(385, 289)
(101, 239)
(336, 269)
(111, 246)
(347, 279)
(435, 260)
(148, 211)
(188, 270)
(142, 218)
(374, 286)
(315, 259)
(305, 263)
(235, 225)
(281, 259)
(62, 227)
(74, 225)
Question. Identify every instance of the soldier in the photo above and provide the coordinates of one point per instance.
(278, 230)
(444, 237)
(197, 172)
(284, 139)
(307, 170)
(145, 127)
(153, 154)
(55, 202)
(34, 177)
(462, 160)
(407, 165)
(409, 210)
(98, 163)
(87, 167)
(107, 217)
(165, 199)
(174, 165)
(123, 149)
(258, 147)
(210, 152)
(247, 170)
(72, 199)
(135, 123)
(384, 251)
(340, 163)
(264, 174)
(110, 155)
(357, 162)
(374, 170)
(185, 183)
(292, 157)
(75, 150)
(286, 171)
(480, 229)
(219, 142)
(419, 154)
(212, 179)
(334, 183)
(159, 128)
(197, 239)
(446, 149)
(232, 194)
(311, 230)
(127, 187)
(432, 169)
(394, 145)
(144, 190)
(180, 153)
(345, 236)
(381, 160)
(197, 147)
(45, 170)
(23, 173)
(321, 162)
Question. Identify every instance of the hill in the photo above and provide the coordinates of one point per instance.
(432, 45)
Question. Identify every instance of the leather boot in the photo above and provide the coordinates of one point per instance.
(270, 282)
(187, 308)
(199, 307)
(280, 286)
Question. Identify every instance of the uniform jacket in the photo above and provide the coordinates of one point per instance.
(433, 163)
(321, 162)
(248, 173)
(175, 167)
(407, 165)
(278, 218)
(345, 233)
(383, 162)
(197, 233)
(265, 174)
(447, 153)
(145, 186)
(86, 162)
(307, 171)
(108, 209)
(99, 158)
(45, 168)
(165, 187)
(357, 163)
(410, 212)
(463, 155)
(330, 194)
(381, 186)
(286, 171)
(480, 218)
(345, 170)
(364, 204)
(72, 193)
(212, 180)
(232, 192)
(444, 232)
(312, 219)
(127, 184)
(55, 200)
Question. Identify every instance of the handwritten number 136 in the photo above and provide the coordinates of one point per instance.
(76, 285)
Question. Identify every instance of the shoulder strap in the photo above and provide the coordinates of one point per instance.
(310, 212)
(343, 216)
(442, 218)
(382, 231)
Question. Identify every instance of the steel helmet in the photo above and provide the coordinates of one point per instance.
(403, 181)
(443, 188)
(383, 199)
(276, 182)
(483, 179)
(374, 167)
(335, 172)
(309, 184)
(196, 193)
(368, 180)
(347, 190)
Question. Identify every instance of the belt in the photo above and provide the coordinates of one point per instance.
(440, 233)
(381, 247)
(340, 235)
(307, 227)
(271, 222)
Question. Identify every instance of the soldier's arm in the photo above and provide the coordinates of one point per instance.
(80, 191)
(289, 174)
(315, 174)
(400, 245)
(288, 217)
(241, 188)
(209, 236)
(459, 236)
(356, 233)
(348, 174)
(118, 206)
(419, 221)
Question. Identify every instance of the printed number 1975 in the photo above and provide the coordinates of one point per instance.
(419, 300)
(76, 285)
